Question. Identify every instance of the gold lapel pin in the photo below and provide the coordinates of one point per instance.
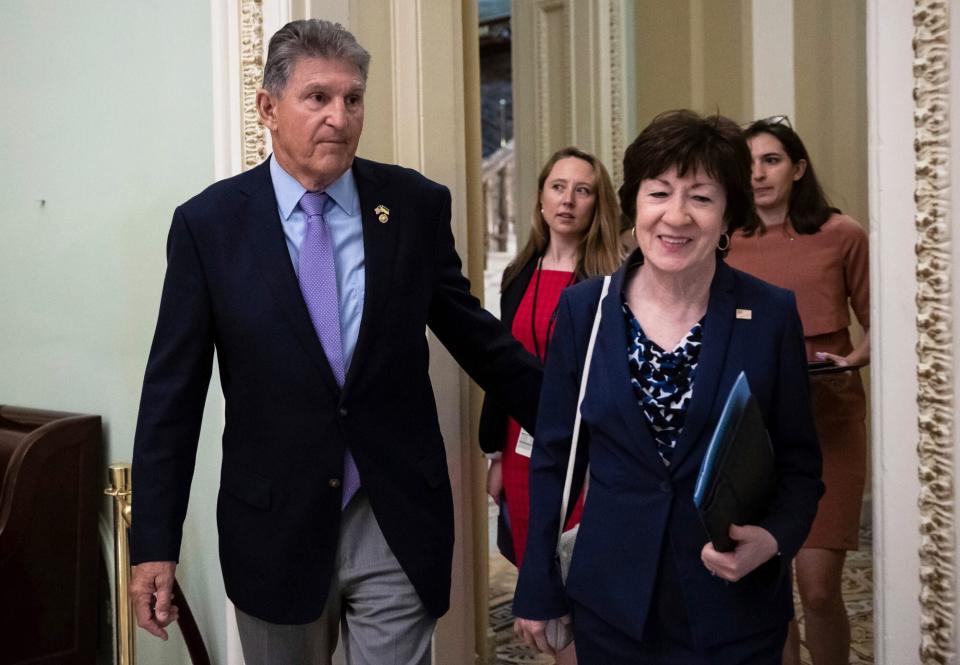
(383, 213)
(745, 314)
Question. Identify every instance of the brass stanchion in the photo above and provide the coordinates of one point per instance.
(119, 489)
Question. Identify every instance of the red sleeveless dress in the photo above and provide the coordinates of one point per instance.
(532, 330)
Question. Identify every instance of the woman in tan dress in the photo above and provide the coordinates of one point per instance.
(821, 255)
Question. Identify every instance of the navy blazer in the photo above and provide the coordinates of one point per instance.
(634, 502)
(230, 286)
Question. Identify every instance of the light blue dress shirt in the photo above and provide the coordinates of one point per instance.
(346, 232)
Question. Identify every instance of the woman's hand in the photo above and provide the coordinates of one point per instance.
(495, 479)
(534, 633)
(859, 356)
(755, 546)
(840, 361)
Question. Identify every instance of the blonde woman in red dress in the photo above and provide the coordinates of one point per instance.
(574, 234)
(822, 256)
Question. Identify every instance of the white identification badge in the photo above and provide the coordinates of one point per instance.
(525, 443)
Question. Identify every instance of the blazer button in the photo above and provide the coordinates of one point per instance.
(334, 483)
(665, 486)
(342, 412)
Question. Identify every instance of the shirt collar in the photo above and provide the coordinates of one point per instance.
(288, 190)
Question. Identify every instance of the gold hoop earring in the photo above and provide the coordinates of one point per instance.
(724, 246)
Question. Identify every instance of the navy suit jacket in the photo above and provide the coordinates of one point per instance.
(230, 286)
(634, 502)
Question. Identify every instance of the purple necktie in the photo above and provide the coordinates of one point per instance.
(318, 283)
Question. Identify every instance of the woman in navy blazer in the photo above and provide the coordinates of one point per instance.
(678, 326)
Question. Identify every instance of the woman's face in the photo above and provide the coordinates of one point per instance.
(568, 197)
(679, 221)
(773, 172)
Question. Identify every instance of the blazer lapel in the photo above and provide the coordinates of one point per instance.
(514, 293)
(612, 349)
(379, 250)
(717, 329)
(261, 221)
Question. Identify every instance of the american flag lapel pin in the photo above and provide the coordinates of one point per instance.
(383, 213)
(745, 314)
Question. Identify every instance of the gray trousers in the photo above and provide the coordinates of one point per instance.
(371, 603)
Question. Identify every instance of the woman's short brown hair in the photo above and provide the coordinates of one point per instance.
(713, 145)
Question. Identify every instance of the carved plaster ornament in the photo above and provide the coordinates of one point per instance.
(254, 144)
(935, 396)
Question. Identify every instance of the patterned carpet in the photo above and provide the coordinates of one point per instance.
(857, 592)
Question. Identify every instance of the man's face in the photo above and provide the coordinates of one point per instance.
(315, 123)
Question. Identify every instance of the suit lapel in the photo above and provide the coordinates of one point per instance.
(716, 341)
(261, 221)
(379, 252)
(612, 349)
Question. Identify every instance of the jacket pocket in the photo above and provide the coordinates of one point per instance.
(247, 488)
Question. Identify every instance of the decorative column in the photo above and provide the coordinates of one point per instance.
(572, 85)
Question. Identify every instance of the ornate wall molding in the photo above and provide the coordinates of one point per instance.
(617, 105)
(254, 145)
(935, 398)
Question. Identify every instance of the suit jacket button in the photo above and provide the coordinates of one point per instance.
(342, 412)
(334, 483)
(665, 486)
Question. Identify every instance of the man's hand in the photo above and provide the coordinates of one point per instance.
(151, 592)
(534, 634)
(495, 479)
(755, 546)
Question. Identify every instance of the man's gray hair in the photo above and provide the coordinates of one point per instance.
(313, 38)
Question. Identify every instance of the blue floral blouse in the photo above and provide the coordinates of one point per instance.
(662, 381)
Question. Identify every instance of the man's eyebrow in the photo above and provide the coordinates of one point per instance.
(319, 86)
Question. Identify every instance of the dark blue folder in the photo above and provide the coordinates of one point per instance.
(737, 476)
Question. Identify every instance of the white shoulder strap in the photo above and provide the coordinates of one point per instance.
(583, 390)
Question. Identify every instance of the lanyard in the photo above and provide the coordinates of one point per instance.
(553, 315)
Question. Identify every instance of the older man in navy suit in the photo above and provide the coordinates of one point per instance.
(314, 276)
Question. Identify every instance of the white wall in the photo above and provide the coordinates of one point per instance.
(106, 126)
